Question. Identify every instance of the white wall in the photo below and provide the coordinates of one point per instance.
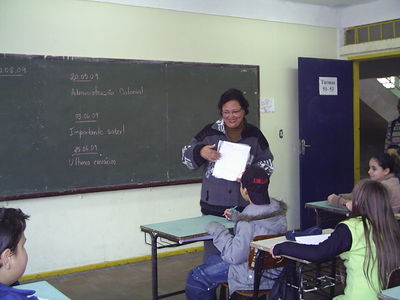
(283, 10)
(77, 230)
(286, 11)
(270, 10)
(370, 12)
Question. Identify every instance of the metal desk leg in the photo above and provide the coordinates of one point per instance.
(317, 217)
(258, 272)
(154, 271)
(333, 275)
(300, 281)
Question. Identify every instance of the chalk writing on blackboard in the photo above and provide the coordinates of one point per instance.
(86, 117)
(93, 124)
(11, 71)
(84, 77)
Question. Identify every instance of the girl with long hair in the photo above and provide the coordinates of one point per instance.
(368, 242)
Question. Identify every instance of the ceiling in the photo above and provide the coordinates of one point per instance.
(333, 3)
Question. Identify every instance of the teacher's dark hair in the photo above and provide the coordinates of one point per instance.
(233, 94)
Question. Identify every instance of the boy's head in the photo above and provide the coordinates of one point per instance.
(256, 180)
(394, 150)
(13, 257)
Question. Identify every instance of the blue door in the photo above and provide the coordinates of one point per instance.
(325, 131)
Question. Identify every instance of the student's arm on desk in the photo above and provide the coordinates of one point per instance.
(339, 200)
(339, 241)
(233, 248)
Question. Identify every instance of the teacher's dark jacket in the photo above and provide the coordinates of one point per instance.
(218, 194)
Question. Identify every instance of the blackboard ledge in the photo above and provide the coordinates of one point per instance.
(98, 189)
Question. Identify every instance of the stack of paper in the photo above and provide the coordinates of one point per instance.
(234, 157)
(312, 239)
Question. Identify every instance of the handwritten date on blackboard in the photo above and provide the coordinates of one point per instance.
(13, 71)
(83, 77)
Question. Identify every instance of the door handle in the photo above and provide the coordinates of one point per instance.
(303, 146)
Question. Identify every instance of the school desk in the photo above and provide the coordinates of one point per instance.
(176, 233)
(319, 206)
(390, 294)
(43, 290)
(318, 282)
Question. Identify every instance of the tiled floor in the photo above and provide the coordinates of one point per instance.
(132, 281)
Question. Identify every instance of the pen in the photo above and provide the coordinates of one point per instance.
(231, 209)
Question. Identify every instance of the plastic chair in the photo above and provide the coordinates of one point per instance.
(394, 278)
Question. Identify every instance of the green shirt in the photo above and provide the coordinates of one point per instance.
(357, 285)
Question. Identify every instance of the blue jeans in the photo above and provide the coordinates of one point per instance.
(209, 249)
(202, 281)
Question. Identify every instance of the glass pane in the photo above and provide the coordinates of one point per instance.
(398, 29)
(350, 37)
(387, 31)
(375, 32)
(363, 35)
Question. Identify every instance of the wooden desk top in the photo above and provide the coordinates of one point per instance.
(267, 244)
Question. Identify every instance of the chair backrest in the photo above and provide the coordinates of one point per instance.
(268, 262)
(394, 278)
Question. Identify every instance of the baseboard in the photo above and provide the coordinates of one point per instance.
(37, 276)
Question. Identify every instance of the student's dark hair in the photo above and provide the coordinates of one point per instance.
(395, 147)
(371, 203)
(12, 226)
(233, 94)
(387, 161)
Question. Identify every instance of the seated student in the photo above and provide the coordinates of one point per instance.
(383, 168)
(395, 151)
(368, 242)
(262, 216)
(13, 256)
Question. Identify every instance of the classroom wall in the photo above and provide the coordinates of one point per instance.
(272, 10)
(78, 230)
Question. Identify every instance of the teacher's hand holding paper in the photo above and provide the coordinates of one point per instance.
(208, 153)
(233, 160)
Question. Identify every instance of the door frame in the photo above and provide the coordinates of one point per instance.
(356, 102)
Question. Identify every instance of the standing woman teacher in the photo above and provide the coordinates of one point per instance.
(219, 194)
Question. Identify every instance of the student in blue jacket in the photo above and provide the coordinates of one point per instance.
(13, 256)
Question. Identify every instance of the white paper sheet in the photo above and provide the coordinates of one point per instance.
(312, 239)
(233, 160)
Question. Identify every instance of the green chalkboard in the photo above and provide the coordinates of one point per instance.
(73, 125)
